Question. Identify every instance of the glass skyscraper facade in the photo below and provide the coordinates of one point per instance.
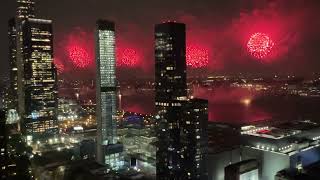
(39, 77)
(108, 151)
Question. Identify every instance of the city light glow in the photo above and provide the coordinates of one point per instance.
(246, 101)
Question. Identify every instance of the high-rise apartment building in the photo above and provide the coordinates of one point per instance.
(170, 61)
(108, 152)
(171, 86)
(194, 139)
(181, 122)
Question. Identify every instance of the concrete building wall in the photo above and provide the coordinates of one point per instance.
(270, 162)
(218, 161)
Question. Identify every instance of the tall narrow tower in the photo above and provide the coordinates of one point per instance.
(194, 139)
(108, 152)
(12, 100)
(25, 9)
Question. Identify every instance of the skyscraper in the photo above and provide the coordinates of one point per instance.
(170, 61)
(194, 139)
(181, 122)
(12, 100)
(108, 152)
(171, 86)
(15, 100)
(39, 100)
(24, 9)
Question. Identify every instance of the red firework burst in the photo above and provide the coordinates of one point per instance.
(260, 45)
(127, 57)
(79, 56)
(197, 56)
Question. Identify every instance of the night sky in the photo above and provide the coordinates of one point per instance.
(217, 34)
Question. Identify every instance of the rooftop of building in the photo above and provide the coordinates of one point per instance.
(299, 125)
(268, 132)
(279, 131)
(286, 138)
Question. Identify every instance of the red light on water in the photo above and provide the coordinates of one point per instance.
(260, 45)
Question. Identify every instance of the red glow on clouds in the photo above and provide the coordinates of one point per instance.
(218, 43)
(260, 45)
(197, 56)
(268, 34)
(127, 57)
(78, 49)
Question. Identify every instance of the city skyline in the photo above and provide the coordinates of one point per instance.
(161, 90)
(221, 41)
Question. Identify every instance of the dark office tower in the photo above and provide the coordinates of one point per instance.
(11, 99)
(39, 77)
(3, 146)
(170, 61)
(171, 86)
(108, 152)
(194, 139)
(24, 9)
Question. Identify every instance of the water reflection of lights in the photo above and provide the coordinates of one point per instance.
(246, 101)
